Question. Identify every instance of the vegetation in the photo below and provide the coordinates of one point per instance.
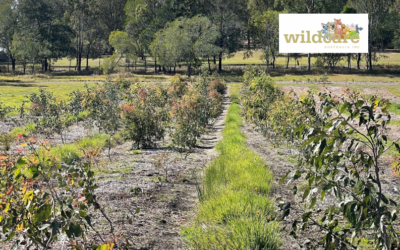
(234, 204)
(341, 141)
(44, 185)
(148, 31)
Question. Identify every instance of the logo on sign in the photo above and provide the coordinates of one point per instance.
(335, 34)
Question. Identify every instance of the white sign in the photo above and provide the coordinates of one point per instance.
(323, 33)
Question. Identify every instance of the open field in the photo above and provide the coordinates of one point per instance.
(14, 94)
(385, 58)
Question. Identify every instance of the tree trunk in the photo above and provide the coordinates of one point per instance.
(155, 65)
(370, 60)
(79, 61)
(189, 70)
(145, 65)
(358, 60)
(248, 40)
(87, 62)
(309, 62)
(287, 62)
(215, 60)
(220, 63)
(45, 65)
(13, 62)
(273, 61)
(348, 62)
(69, 65)
(209, 65)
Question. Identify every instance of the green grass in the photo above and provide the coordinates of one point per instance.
(234, 202)
(13, 94)
(238, 58)
(69, 152)
(395, 108)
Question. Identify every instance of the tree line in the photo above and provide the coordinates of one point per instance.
(172, 32)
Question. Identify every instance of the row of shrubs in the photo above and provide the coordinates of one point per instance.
(341, 142)
(141, 113)
(48, 192)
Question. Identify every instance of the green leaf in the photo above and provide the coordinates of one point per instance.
(74, 230)
(313, 202)
(21, 162)
(327, 187)
(344, 107)
(306, 193)
(43, 213)
(297, 175)
(284, 178)
(323, 192)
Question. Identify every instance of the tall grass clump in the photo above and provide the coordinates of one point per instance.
(234, 209)
(74, 151)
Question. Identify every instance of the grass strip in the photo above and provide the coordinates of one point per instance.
(234, 197)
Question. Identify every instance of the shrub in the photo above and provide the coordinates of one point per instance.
(218, 86)
(43, 199)
(341, 141)
(178, 86)
(190, 119)
(145, 117)
(48, 113)
(103, 105)
(4, 110)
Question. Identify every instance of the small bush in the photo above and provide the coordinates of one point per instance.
(218, 86)
(178, 86)
(144, 119)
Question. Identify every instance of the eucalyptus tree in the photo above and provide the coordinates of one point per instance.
(123, 46)
(42, 21)
(228, 21)
(378, 11)
(143, 19)
(267, 33)
(185, 40)
(8, 26)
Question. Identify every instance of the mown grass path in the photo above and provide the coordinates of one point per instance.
(234, 196)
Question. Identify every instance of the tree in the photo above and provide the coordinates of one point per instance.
(267, 32)
(377, 11)
(185, 40)
(27, 49)
(123, 46)
(144, 19)
(43, 21)
(225, 17)
(8, 26)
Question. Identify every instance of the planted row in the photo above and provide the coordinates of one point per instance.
(342, 141)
